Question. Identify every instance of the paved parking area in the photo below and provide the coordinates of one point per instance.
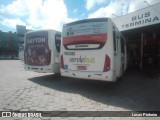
(30, 91)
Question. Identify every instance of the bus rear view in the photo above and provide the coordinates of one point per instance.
(42, 49)
(87, 50)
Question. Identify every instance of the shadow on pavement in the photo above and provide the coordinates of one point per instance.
(135, 91)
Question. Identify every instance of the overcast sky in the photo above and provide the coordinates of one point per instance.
(52, 14)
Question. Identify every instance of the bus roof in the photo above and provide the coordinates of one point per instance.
(43, 30)
(87, 20)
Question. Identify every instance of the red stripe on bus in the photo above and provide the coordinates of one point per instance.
(100, 38)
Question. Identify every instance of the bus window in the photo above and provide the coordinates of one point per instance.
(58, 42)
(122, 45)
(114, 38)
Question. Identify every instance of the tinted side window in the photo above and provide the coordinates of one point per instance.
(114, 38)
(122, 45)
(58, 41)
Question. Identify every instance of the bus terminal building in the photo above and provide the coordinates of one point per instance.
(142, 31)
(10, 42)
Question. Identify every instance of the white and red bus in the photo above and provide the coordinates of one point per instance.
(93, 49)
(42, 50)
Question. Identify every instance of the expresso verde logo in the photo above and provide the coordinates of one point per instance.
(82, 60)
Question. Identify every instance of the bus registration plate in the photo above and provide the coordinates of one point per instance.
(81, 67)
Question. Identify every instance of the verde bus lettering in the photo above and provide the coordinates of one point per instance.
(82, 60)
